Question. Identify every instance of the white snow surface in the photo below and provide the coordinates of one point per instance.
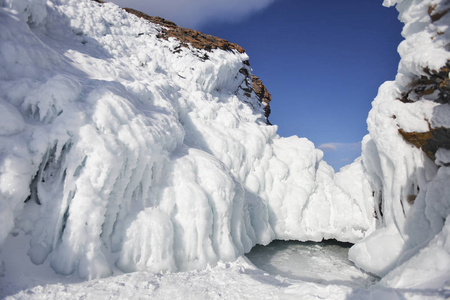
(120, 152)
(328, 278)
(411, 244)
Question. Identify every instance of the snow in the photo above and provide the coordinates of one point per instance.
(379, 253)
(122, 152)
(323, 263)
(240, 279)
(32, 11)
(409, 247)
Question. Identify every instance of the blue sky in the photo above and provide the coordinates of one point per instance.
(322, 61)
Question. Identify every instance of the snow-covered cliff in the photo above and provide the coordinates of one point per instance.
(406, 156)
(122, 147)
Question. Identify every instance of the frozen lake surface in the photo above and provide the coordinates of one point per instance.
(325, 263)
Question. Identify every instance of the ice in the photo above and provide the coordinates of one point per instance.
(11, 122)
(51, 98)
(379, 253)
(443, 157)
(410, 190)
(123, 152)
(427, 269)
(325, 263)
(233, 280)
(151, 229)
(33, 11)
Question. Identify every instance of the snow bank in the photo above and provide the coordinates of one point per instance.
(410, 186)
(120, 151)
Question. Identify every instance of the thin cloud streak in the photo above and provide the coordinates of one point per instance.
(340, 146)
(328, 147)
(194, 13)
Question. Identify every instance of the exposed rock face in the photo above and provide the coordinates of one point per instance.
(188, 36)
(429, 141)
(433, 81)
(262, 93)
(435, 85)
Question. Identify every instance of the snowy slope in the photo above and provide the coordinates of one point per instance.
(406, 156)
(121, 151)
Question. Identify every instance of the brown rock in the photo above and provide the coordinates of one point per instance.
(262, 93)
(428, 84)
(429, 141)
(206, 42)
(187, 36)
(435, 16)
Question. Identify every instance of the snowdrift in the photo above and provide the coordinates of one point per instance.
(120, 149)
(406, 157)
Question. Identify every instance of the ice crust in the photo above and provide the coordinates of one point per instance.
(410, 246)
(120, 149)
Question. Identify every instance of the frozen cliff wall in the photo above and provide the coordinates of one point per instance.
(125, 147)
(406, 156)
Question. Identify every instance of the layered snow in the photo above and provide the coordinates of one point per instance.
(411, 245)
(122, 152)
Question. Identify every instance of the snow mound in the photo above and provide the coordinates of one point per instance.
(405, 157)
(120, 151)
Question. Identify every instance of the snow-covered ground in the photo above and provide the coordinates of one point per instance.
(287, 270)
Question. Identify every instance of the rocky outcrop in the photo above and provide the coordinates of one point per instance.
(262, 93)
(429, 84)
(186, 36)
(435, 85)
(198, 40)
(429, 141)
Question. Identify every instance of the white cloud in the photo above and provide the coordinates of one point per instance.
(328, 147)
(194, 13)
(340, 146)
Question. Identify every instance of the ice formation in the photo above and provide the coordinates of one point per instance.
(118, 148)
(121, 151)
(406, 157)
